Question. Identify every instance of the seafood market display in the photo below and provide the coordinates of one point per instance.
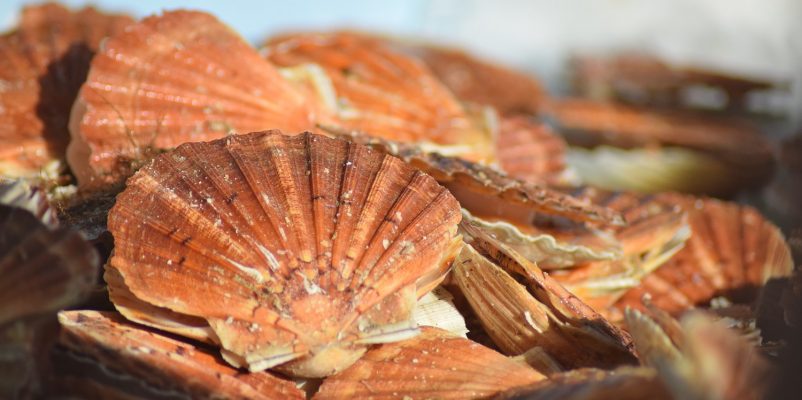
(342, 214)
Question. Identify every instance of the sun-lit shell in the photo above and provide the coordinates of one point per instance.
(178, 77)
(437, 309)
(485, 190)
(645, 79)
(733, 152)
(699, 358)
(655, 231)
(42, 65)
(623, 383)
(109, 356)
(520, 307)
(435, 364)
(44, 269)
(482, 82)
(733, 251)
(301, 248)
(386, 93)
(530, 151)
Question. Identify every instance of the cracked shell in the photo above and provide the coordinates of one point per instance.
(294, 251)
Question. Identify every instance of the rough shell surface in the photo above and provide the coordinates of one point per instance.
(482, 188)
(479, 81)
(385, 93)
(530, 151)
(108, 353)
(737, 144)
(298, 248)
(733, 251)
(43, 63)
(520, 307)
(435, 364)
(43, 269)
(178, 77)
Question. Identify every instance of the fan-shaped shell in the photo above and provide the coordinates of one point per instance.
(734, 151)
(179, 77)
(101, 342)
(482, 82)
(42, 65)
(732, 252)
(299, 248)
(435, 364)
(520, 307)
(385, 93)
(530, 151)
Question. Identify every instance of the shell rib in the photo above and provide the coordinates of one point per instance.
(530, 151)
(732, 252)
(111, 357)
(435, 364)
(733, 154)
(386, 93)
(521, 307)
(179, 77)
(42, 65)
(299, 248)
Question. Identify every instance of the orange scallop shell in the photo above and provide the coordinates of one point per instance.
(42, 65)
(530, 151)
(435, 364)
(385, 93)
(102, 342)
(482, 82)
(732, 252)
(623, 383)
(300, 248)
(179, 77)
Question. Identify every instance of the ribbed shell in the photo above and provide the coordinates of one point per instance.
(732, 252)
(735, 144)
(104, 341)
(42, 65)
(482, 82)
(481, 188)
(521, 308)
(530, 151)
(43, 269)
(385, 93)
(435, 364)
(178, 77)
(289, 247)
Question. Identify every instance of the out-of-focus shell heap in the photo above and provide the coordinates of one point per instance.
(280, 249)
(530, 151)
(651, 151)
(521, 308)
(385, 93)
(733, 251)
(42, 65)
(105, 356)
(435, 364)
(179, 77)
(623, 383)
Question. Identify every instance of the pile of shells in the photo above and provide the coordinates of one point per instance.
(342, 215)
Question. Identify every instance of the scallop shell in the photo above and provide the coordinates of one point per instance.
(480, 188)
(732, 252)
(44, 269)
(708, 360)
(102, 342)
(435, 364)
(482, 82)
(42, 65)
(520, 307)
(645, 79)
(624, 383)
(178, 77)
(302, 248)
(530, 151)
(733, 154)
(437, 309)
(656, 230)
(385, 93)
